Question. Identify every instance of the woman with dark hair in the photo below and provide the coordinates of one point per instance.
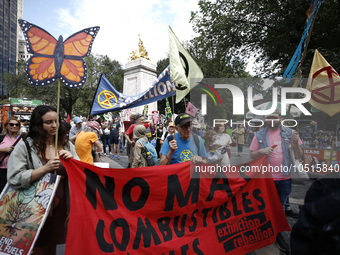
(21, 172)
(9, 138)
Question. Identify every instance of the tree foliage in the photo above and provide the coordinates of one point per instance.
(75, 101)
(270, 30)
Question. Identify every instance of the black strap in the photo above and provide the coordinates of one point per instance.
(29, 152)
(7, 153)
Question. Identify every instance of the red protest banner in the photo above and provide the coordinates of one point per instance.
(170, 210)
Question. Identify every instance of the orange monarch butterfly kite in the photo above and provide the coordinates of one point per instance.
(54, 59)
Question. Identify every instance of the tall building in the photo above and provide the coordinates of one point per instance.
(8, 40)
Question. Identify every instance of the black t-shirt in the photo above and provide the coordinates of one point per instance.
(114, 129)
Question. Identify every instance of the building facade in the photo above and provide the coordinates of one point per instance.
(8, 40)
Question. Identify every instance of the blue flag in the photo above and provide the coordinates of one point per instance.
(108, 99)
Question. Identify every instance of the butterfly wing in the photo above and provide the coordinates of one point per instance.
(76, 47)
(40, 68)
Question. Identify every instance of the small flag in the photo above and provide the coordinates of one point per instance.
(68, 120)
(191, 110)
(168, 110)
(155, 117)
(183, 69)
(146, 110)
(324, 85)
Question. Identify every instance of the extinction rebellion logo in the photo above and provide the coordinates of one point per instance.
(107, 99)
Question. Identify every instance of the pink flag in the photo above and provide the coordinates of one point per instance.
(191, 110)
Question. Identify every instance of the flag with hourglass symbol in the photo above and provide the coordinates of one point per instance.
(324, 85)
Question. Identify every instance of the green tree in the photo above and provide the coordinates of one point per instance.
(77, 101)
(270, 30)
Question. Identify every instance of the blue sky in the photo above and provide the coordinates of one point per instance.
(121, 22)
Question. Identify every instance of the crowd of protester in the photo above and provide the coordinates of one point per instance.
(145, 144)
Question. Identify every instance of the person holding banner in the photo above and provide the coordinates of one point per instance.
(184, 145)
(10, 137)
(33, 159)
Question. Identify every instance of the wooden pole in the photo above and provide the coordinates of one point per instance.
(173, 105)
(56, 135)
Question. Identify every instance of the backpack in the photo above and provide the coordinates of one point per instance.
(151, 158)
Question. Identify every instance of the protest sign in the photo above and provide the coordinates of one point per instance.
(23, 213)
(172, 210)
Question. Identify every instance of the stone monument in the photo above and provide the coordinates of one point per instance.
(139, 75)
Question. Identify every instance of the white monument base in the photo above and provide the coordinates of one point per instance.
(139, 75)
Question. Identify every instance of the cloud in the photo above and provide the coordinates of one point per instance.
(122, 21)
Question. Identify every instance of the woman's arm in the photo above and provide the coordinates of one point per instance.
(20, 173)
(98, 146)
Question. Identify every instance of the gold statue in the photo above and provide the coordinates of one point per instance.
(141, 53)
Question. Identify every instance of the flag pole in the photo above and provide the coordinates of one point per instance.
(173, 107)
(173, 104)
(56, 135)
(297, 81)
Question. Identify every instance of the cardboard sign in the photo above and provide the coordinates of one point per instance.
(23, 213)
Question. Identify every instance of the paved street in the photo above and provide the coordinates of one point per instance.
(296, 198)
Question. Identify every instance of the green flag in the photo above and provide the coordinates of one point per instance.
(168, 109)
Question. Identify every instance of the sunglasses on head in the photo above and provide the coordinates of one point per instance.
(13, 124)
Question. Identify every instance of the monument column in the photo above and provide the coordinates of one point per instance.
(139, 75)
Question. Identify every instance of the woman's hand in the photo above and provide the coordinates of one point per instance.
(52, 165)
(63, 154)
(8, 149)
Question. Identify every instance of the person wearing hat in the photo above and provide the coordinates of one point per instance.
(76, 128)
(86, 139)
(171, 131)
(140, 120)
(184, 145)
(279, 159)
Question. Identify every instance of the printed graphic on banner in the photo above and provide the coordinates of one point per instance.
(108, 99)
(23, 214)
(181, 208)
